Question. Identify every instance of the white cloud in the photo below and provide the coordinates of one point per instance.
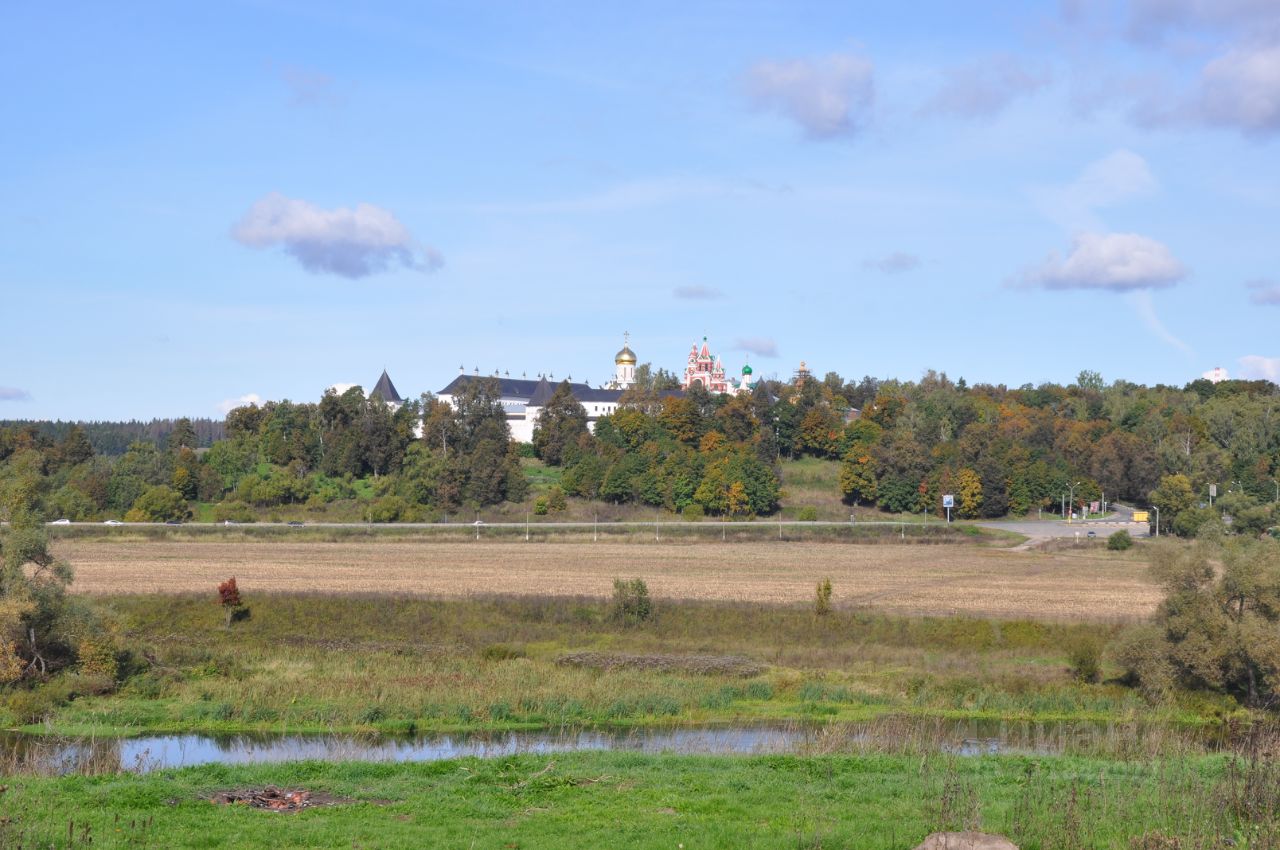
(342, 388)
(985, 88)
(348, 242)
(1116, 177)
(761, 346)
(894, 263)
(14, 394)
(828, 97)
(1264, 291)
(1118, 262)
(1258, 367)
(1241, 89)
(697, 293)
(230, 404)
(1217, 373)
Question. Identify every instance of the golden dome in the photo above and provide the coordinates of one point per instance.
(625, 356)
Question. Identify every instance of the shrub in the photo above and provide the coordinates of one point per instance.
(234, 511)
(631, 602)
(807, 514)
(232, 605)
(693, 512)
(540, 506)
(1084, 655)
(1120, 541)
(556, 501)
(501, 652)
(822, 598)
(97, 658)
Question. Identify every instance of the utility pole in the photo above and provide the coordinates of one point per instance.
(1157, 510)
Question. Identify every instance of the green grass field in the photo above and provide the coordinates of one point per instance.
(314, 662)
(877, 802)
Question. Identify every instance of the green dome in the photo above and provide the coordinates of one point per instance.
(746, 370)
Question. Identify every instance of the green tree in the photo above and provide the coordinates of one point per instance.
(1173, 496)
(159, 504)
(561, 424)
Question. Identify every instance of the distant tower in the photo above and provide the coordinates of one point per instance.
(802, 375)
(624, 365)
(748, 378)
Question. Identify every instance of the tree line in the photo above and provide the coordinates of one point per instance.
(899, 446)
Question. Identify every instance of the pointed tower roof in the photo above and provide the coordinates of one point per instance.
(386, 389)
(541, 394)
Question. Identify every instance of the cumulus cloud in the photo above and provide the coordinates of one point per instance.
(697, 293)
(985, 88)
(351, 243)
(895, 263)
(828, 97)
(227, 405)
(1119, 262)
(1116, 177)
(14, 394)
(342, 388)
(1241, 89)
(758, 345)
(1255, 366)
(1238, 90)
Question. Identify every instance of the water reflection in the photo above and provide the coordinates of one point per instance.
(46, 755)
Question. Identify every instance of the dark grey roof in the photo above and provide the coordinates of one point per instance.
(507, 387)
(538, 393)
(386, 389)
(542, 394)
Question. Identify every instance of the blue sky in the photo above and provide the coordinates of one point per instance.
(259, 200)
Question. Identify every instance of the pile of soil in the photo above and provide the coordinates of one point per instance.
(273, 799)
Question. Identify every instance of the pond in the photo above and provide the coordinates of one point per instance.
(21, 752)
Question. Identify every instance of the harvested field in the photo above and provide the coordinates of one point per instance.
(959, 579)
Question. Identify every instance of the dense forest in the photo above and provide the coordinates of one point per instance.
(114, 438)
(899, 446)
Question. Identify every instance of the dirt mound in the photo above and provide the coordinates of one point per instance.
(274, 799)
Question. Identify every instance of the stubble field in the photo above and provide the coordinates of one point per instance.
(1087, 584)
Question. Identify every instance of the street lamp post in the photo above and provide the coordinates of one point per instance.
(1072, 502)
(1157, 510)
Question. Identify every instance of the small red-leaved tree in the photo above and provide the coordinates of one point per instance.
(229, 597)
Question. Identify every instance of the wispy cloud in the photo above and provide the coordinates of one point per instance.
(758, 345)
(309, 88)
(828, 97)
(1256, 366)
(697, 293)
(14, 394)
(1116, 262)
(227, 405)
(1119, 176)
(351, 243)
(1145, 307)
(895, 263)
(1264, 291)
(986, 88)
